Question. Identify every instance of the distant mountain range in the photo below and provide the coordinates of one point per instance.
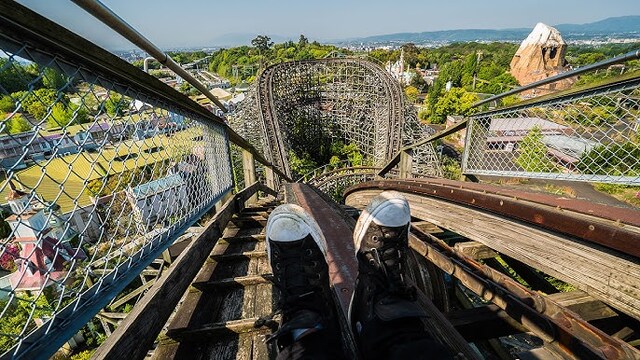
(616, 27)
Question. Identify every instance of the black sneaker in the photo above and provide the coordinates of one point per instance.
(381, 241)
(296, 249)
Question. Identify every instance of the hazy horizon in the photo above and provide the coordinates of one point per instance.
(196, 23)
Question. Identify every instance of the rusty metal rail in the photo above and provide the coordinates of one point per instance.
(599, 224)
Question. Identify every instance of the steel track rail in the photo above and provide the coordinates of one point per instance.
(611, 227)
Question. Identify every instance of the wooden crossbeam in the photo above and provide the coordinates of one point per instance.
(475, 250)
(241, 281)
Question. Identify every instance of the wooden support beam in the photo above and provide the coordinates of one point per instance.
(218, 329)
(535, 280)
(105, 326)
(123, 300)
(475, 250)
(136, 334)
(249, 168)
(588, 307)
(406, 164)
(240, 281)
(270, 178)
(237, 256)
(257, 237)
(427, 227)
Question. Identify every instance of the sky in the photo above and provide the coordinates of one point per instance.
(201, 23)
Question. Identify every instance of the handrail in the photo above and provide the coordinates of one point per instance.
(632, 55)
(115, 22)
(164, 295)
(26, 24)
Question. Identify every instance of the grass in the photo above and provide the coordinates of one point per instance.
(560, 190)
(626, 193)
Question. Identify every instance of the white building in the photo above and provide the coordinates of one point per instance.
(157, 200)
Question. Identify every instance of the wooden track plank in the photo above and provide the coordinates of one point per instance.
(138, 331)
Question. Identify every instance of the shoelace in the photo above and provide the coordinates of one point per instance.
(297, 281)
(389, 257)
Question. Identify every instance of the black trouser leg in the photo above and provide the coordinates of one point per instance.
(403, 338)
(319, 345)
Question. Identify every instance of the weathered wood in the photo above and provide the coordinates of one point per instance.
(249, 168)
(584, 305)
(427, 227)
(475, 250)
(606, 275)
(535, 280)
(136, 334)
(406, 163)
(270, 178)
(123, 300)
(241, 281)
(219, 329)
(247, 254)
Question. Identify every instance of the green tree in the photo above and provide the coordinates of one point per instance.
(116, 104)
(613, 159)
(303, 41)
(262, 43)
(7, 104)
(412, 94)
(13, 77)
(301, 165)
(16, 124)
(59, 117)
(38, 102)
(52, 79)
(456, 101)
(533, 153)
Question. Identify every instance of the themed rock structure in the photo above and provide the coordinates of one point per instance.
(541, 55)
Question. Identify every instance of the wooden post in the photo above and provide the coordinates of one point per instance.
(270, 177)
(405, 165)
(249, 172)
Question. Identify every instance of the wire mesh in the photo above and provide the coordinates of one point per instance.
(99, 179)
(592, 135)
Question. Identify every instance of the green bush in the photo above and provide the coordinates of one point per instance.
(533, 153)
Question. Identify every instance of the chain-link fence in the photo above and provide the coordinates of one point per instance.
(590, 135)
(98, 178)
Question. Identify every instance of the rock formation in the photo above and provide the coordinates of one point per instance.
(541, 55)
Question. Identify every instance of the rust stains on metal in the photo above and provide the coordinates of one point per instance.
(595, 223)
